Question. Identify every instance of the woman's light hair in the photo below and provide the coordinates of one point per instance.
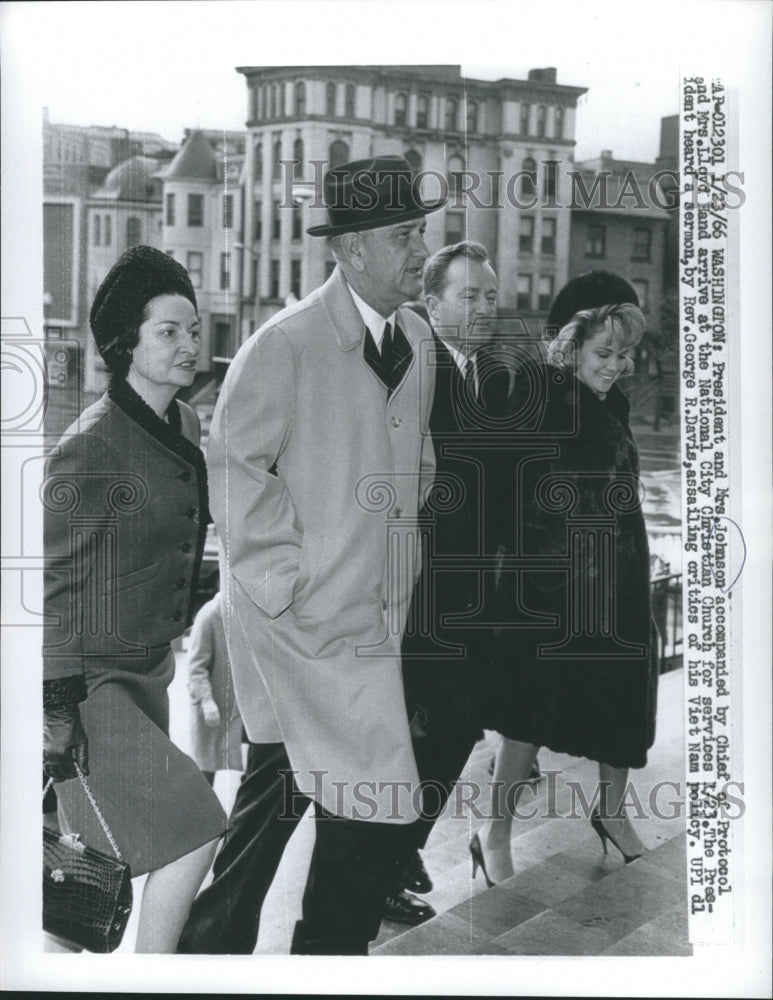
(626, 320)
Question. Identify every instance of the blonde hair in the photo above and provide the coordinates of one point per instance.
(624, 319)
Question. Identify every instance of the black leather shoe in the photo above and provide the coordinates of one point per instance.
(415, 877)
(404, 908)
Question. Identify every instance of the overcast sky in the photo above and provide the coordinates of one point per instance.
(164, 65)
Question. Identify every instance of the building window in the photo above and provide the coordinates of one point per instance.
(97, 235)
(452, 114)
(194, 264)
(221, 336)
(523, 293)
(338, 153)
(526, 234)
(295, 278)
(642, 289)
(542, 114)
(297, 222)
(170, 210)
(133, 231)
(558, 123)
(277, 164)
(108, 230)
(545, 292)
(528, 178)
(195, 209)
(454, 227)
(276, 223)
(253, 290)
(550, 175)
(274, 279)
(300, 98)
(472, 116)
(415, 160)
(272, 102)
(257, 229)
(548, 242)
(298, 156)
(422, 111)
(228, 211)
(596, 240)
(401, 110)
(258, 154)
(253, 103)
(225, 271)
(330, 99)
(455, 176)
(350, 94)
(642, 243)
(525, 116)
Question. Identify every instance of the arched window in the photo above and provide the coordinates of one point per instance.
(401, 110)
(558, 123)
(452, 113)
(133, 231)
(550, 178)
(298, 157)
(525, 118)
(280, 99)
(455, 176)
(542, 114)
(422, 111)
(472, 116)
(350, 95)
(97, 230)
(108, 230)
(415, 160)
(330, 99)
(300, 98)
(338, 153)
(272, 102)
(528, 178)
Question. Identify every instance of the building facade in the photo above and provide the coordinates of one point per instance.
(500, 149)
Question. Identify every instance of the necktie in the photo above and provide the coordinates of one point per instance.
(469, 380)
(387, 354)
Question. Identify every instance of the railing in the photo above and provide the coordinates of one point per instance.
(666, 593)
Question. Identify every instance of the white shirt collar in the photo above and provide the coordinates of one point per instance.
(460, 359)
(374, 321)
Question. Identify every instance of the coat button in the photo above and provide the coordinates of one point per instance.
(177, 616)
(396, 421)
(185, 476)
(186, 547)
(192, 513)
(180, 583)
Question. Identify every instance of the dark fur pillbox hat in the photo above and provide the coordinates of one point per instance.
(589, 291)
(139, 275)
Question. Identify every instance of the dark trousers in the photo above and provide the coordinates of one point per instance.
(348, 881)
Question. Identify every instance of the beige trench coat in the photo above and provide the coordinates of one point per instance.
(320, 558)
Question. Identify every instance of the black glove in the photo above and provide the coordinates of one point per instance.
(64, 743)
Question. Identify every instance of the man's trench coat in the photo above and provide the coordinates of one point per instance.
(315, 479)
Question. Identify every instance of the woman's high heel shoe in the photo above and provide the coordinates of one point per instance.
(605, 835)
(477, 860)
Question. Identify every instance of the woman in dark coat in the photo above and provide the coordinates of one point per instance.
(584, 681)
(125, 499)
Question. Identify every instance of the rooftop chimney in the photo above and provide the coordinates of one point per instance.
(546, 75)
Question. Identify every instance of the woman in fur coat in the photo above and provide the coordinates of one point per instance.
(579, 674)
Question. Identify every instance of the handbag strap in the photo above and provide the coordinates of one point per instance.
(94, 806)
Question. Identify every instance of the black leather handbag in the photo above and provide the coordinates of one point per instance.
(87, 895)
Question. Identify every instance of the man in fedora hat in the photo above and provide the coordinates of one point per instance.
(318, 456)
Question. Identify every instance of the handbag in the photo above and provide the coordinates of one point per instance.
(87, 895)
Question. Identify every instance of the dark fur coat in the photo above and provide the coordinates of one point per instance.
(573, 658)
